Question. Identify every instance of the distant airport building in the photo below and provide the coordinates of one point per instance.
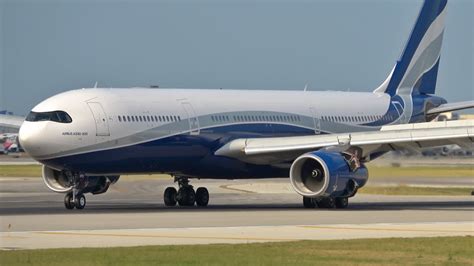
(5, 129)
(5, 112)
(448, 116)
(466, 116)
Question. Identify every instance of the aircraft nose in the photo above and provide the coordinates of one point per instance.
(29, 137)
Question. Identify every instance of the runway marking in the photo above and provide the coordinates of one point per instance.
(15, 237)
(384, 229)
(168, 236)
(237, 189)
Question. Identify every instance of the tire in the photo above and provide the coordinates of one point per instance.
(309, 203)
(186, 196)
(327, 203)
(68, 203)
(342, 203)
(80, 201)
(169, 196)
(202, 197)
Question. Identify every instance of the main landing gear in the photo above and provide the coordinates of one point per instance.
(326, 202)
(75, 198)
(185, 195)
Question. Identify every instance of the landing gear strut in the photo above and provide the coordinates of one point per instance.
(75, 199)
(185, 196)
(326, 202)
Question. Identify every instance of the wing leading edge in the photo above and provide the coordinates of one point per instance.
(408, 136)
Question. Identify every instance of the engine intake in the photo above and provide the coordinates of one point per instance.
(322, 174)
(58, 181)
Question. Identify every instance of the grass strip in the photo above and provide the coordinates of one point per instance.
(375, 172)
(419, 191)
(391, 251)
(30, 170)
(380, 172)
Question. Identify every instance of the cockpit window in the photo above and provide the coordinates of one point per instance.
(55, 116)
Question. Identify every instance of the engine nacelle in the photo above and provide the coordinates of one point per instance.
(323, 174)
(58, 181)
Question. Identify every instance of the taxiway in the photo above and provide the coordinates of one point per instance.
(132, 213)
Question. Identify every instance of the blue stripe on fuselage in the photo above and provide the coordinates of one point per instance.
(189, 155)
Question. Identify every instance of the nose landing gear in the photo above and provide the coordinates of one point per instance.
(71, 202)
(185, 196)
(75, 198)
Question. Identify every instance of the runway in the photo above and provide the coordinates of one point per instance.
(132, 213)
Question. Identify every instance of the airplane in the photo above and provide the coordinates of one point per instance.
(320, 140)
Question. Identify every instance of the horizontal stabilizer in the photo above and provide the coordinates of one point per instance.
(449, 107)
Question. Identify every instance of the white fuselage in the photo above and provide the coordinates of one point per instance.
(143, 122)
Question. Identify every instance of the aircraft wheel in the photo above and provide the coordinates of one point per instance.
(309, 203)
(202, 196)
(186, 196)
(342, 203)
(170, 196)
(68, 203)
(327, 202)
(80, 201)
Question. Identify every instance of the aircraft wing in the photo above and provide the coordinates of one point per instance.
(397, 137)
(449, 107)
(11, 121)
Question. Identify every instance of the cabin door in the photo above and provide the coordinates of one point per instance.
(192, 118)
(316, 120)
(100, 118)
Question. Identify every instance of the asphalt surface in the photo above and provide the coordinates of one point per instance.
(31, 216)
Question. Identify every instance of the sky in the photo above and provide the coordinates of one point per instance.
(50, 46)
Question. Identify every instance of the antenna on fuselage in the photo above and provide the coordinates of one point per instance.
(305, 87)
(95, 85)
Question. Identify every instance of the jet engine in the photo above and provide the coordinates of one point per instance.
(58, 181)
(324, 174)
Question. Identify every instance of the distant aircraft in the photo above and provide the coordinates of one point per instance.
(319, 139)
(8, 143)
